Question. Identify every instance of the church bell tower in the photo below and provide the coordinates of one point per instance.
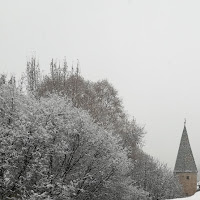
(185, 167)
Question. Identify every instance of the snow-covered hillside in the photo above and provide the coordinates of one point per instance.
(196, 196)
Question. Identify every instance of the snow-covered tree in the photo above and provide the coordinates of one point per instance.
(68, 138)
(49, 149)
(155, 178)
(100, 99)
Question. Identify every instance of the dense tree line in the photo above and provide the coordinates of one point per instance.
(68, 138)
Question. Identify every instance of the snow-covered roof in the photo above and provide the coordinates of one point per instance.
(185, 160)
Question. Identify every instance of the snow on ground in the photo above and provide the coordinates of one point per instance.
(196, 196)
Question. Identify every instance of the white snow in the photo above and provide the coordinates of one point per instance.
(196, 196)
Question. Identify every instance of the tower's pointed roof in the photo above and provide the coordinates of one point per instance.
(185, 160)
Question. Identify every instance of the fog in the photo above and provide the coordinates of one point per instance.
(148, 50)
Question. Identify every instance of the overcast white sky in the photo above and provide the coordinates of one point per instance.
(149, 51)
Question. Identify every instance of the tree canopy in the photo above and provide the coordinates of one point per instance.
(69, 138)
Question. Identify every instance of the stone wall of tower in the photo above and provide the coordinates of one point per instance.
(188, 182)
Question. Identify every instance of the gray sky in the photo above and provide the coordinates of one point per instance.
(149, 51)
